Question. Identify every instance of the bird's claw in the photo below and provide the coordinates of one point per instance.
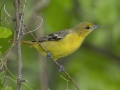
(49, 55)
(62, 69)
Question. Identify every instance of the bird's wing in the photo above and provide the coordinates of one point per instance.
(54, 36)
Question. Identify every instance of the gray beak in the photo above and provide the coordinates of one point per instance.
(95, 26)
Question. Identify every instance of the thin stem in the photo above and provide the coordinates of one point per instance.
(35, 16)
(1, 10)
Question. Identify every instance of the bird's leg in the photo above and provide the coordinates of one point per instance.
(62, 69)
(49, 55)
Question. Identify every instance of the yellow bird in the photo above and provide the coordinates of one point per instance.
(64, 42)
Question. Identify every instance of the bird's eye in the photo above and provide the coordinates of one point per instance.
(87, 27)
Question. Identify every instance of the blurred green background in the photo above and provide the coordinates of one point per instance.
(94, 66)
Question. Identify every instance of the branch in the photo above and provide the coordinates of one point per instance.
(18, 37)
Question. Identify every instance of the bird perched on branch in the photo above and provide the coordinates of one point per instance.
(64, 42)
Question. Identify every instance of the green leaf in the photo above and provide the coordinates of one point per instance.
(5, 32)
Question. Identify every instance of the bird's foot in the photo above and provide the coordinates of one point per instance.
(62, 69)
(49, 55)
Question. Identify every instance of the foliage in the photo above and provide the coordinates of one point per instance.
(5, 32)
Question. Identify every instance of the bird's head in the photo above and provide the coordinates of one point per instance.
(84, 28)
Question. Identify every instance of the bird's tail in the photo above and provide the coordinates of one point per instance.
(27, 42)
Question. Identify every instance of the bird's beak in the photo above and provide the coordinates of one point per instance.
(95, 26)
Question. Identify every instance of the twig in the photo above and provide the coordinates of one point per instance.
(18, 30)
(35, 16)
(52, 58)
(66, 81)
(1, 10)
(9, 50)
(7, 13)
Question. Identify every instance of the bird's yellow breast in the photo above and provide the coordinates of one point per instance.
(63, 47)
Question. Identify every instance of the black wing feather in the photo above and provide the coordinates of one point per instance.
(54, 36)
